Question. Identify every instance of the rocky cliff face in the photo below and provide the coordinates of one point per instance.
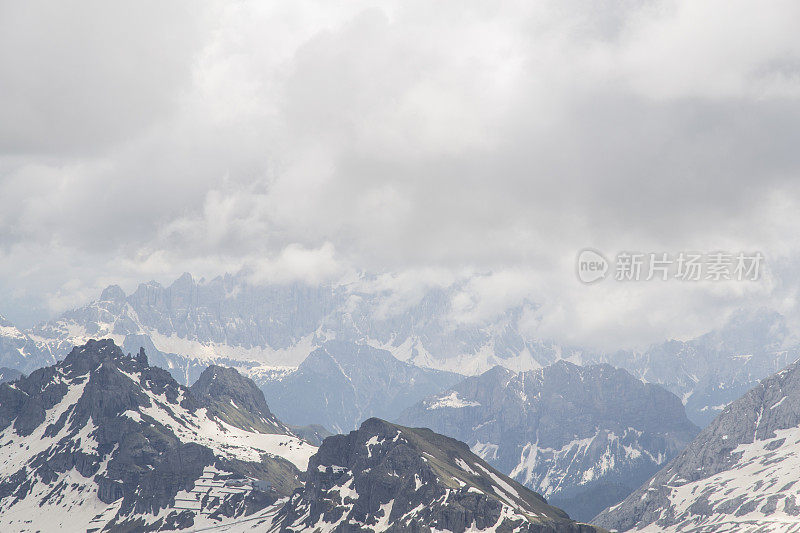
(384, 477)
(233, 398)
(104, 440)
(584, 437)
(739, 474)
(340, 384)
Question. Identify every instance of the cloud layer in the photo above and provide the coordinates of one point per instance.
(307, 140)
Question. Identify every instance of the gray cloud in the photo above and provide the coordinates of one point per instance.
(314, 139)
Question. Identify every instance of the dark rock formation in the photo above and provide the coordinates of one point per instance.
(103, 428)
(388, 477)
(235, 399)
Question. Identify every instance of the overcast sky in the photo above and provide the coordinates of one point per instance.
(426, 140)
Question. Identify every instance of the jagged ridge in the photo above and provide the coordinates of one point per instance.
(105, 439)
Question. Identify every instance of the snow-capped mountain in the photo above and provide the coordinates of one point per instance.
(267, 330)
(715, 369)
(104, 441)
(385, 477)
(584, 437)
(739, 475)
(340, 384)
(17, 350)
(229, 318)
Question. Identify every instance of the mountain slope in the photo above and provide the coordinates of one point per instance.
(9, 374)
(584, 437)
(104, 440)
(739, 474)
(235, 400)
(341, 383)
(384, 477)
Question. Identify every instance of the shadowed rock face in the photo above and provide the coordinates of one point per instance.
(9, 374)
(388, 476)
(341, 383)
(739, 473)
(106, 432)
(236, 399)
(585, 437)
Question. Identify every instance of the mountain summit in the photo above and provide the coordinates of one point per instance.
(385, 477)
(104, 440)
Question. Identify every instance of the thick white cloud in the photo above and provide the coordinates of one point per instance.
(311, 140)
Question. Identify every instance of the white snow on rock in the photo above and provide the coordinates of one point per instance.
(451, 400)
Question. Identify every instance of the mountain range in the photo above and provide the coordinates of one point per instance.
(340, 384)
(268, 330)
(389, 477)
(105, 441)
(584, 437)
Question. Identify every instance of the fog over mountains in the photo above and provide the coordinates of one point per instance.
(268, 330)
(399, 267)
(580, 426)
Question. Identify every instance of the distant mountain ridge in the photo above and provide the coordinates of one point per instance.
(340, 384)
(17, 350)
(9, 374)
(584, 437)
(268, 330)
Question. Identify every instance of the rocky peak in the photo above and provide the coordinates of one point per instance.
(112, 293)
(236, 399)
(104, 431)
(341, 383)
(387, 476)
(87, 357)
